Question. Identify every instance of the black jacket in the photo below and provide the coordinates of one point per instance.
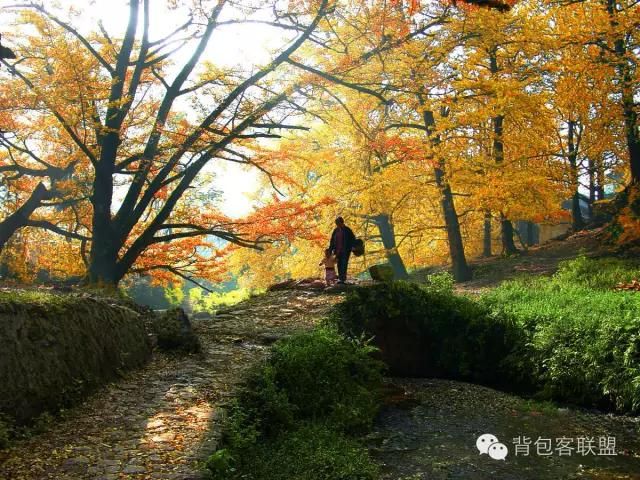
(349, 240)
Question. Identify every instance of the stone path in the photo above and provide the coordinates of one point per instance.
(161, 421)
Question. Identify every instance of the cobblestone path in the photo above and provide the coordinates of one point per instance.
(159, 422)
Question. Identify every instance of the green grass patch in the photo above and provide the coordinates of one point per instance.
(582, 344)
(598, 273)
(568, 338)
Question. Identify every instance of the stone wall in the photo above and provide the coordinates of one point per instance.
(55, 348)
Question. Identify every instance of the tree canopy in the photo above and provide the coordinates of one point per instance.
(433, 127)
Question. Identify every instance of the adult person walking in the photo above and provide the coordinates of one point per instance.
(342, 241)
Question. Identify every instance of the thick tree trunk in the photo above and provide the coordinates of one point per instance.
(106, 240)
(486, 235)
(20, 217)
(629, 112)
(387, 234)
(506, 231)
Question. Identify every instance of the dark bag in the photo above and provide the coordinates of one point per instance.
(358, 247)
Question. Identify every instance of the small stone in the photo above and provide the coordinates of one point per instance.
(165, 437)
(134, 469)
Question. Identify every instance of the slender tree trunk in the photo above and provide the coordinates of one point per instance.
(631, 130)
(592, 186)
(486, 237)
(387, 234)
(461, 271)
(600, 180)
(459, 266)
(576, 212)
(20, 217)
(506, 227)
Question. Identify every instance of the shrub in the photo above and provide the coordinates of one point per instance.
(442, 282)
(313, 452)
(5, 434)
(325, 375)
(293, 416)
(431, 332)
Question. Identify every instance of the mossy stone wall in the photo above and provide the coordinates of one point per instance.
(55, 348)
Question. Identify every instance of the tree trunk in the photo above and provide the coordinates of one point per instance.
(106, 239)
(631, 128)
(461, 271)
(600, 180)
(20, 217)
(486, 239)
(506, 231)
(506, 228)
(388, 237)
(459, 266)
(576, 213)
(592, 186)
(629, 113)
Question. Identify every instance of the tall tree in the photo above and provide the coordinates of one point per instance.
(144, 152)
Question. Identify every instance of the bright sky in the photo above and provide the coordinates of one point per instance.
(231, 45)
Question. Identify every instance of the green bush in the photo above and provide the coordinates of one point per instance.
(432, 332)
(583, 345)
(313, 452)
(442, 282)
(326, 376)
(600, 273)
(295, 412)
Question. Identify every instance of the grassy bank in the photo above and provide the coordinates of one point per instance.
(571, 337)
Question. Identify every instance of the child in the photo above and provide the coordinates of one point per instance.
(329, 262)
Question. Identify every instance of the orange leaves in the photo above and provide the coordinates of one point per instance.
(404, 148)
(499, 5)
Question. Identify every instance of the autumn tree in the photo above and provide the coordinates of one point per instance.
(144, 152)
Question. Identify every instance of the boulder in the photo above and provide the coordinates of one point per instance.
(381, 273)
(174, 331)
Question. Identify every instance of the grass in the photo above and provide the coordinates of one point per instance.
(582, 338)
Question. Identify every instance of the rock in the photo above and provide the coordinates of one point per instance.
(201, 316)
(174, 332)
(134, 469)
(381, 273)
